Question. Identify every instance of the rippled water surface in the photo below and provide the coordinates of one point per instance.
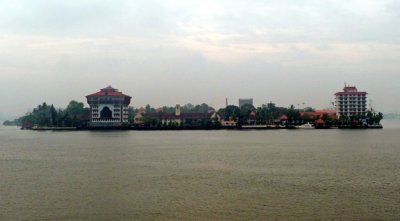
(200, 175)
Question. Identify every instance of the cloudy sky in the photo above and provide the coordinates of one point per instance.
(165, 52)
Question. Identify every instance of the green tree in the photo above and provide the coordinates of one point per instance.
(308, 109)
(169, 109)
(293, 115)
(149, 122)
(230, 112)
(76, 114)
(54, 116)
(131, 115)
(379, 117)
(245, 110)
(149, 109)
(328, 119)
(187, 108)
(75, 108)
(344, 120)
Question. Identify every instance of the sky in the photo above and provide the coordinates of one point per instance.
(167, 52)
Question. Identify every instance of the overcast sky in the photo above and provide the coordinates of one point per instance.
(169, 52)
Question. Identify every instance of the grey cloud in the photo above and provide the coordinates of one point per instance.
(168, 52)
(83, 18)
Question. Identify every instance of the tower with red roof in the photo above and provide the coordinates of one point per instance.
(108, 108)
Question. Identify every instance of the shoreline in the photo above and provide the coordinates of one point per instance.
(257, 127)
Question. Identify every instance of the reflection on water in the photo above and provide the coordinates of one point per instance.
(200, 175)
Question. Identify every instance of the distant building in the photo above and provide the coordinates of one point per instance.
(178, 117)
(351, 102)
(252, 117)
(108, 108)
(282, 119)
(228, 123)
(245, 101)
(317, 114)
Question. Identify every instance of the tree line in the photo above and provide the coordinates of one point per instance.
(77, 115)
(187, 108)
(247, 114)
(44, 115)
(265, 114)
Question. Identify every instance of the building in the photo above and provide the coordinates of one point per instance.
(108, 108)
(242, 101)
(178, 118)
(350, 102)
(317, 114)
(228, 123)
(251, 118)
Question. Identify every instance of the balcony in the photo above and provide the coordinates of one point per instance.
(106, 120)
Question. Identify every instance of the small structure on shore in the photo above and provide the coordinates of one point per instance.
(228, 123)
(321, 124)
(283, 119)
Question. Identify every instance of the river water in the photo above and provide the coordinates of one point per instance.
(200, 175)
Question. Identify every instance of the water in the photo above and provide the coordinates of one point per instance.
(200, 175)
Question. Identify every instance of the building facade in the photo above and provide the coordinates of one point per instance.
(351, 102)
(245, 101)
(108, 108)
(317, 114)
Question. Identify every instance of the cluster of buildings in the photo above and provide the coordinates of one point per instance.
(109, 108)
(177, 118)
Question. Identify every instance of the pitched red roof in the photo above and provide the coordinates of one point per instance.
(326, 111)
(319, 113)
(344, 93)
(108, 91)
(284, 117)
(350, 90)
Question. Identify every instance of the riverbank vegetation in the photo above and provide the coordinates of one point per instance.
(44, 115)
(75, 114)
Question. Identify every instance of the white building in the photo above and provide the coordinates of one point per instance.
(108, 108)
(351, 102)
